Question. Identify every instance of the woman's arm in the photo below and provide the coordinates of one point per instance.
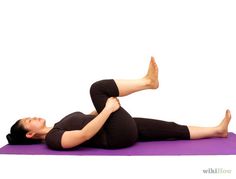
(74, 138)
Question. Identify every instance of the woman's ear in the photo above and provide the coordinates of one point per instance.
(30, 134)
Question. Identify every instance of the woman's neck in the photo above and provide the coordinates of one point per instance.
(43, 132)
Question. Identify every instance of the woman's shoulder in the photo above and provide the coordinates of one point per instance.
(53, 139)
(69, 122)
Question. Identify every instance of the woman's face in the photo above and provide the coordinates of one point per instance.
(33, 124)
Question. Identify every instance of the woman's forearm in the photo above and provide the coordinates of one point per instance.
(96, 124)
(76, 137)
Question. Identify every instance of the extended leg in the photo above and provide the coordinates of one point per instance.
(207, 132)
(149, 81)
(153, 129)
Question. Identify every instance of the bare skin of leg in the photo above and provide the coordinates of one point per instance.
(149, 81)
(208, 132)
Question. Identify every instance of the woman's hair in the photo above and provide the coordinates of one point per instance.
(18, 135)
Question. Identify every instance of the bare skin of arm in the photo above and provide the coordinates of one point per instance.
(74, 138)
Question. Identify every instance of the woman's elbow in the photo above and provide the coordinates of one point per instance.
(86, 136)
(73, 139)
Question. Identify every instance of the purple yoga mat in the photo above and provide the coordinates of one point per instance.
(213, 146)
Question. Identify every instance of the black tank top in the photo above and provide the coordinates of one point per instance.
(73, 121)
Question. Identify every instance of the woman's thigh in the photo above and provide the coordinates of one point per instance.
(120, 129)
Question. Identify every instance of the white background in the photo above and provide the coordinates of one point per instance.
(52, 51)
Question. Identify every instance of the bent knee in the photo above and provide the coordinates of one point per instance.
(99, 87)
(94, 87)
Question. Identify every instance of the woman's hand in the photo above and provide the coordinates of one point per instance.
(113, 104)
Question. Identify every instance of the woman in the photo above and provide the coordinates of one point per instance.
(110, 126)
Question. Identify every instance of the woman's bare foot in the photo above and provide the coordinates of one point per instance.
(222, 128)
(152, 75)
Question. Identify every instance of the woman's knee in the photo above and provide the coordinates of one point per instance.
(107, 87)
(94, 88)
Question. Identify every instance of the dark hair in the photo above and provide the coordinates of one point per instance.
(18, 135)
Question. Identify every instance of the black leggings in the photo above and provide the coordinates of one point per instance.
(122, 130)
